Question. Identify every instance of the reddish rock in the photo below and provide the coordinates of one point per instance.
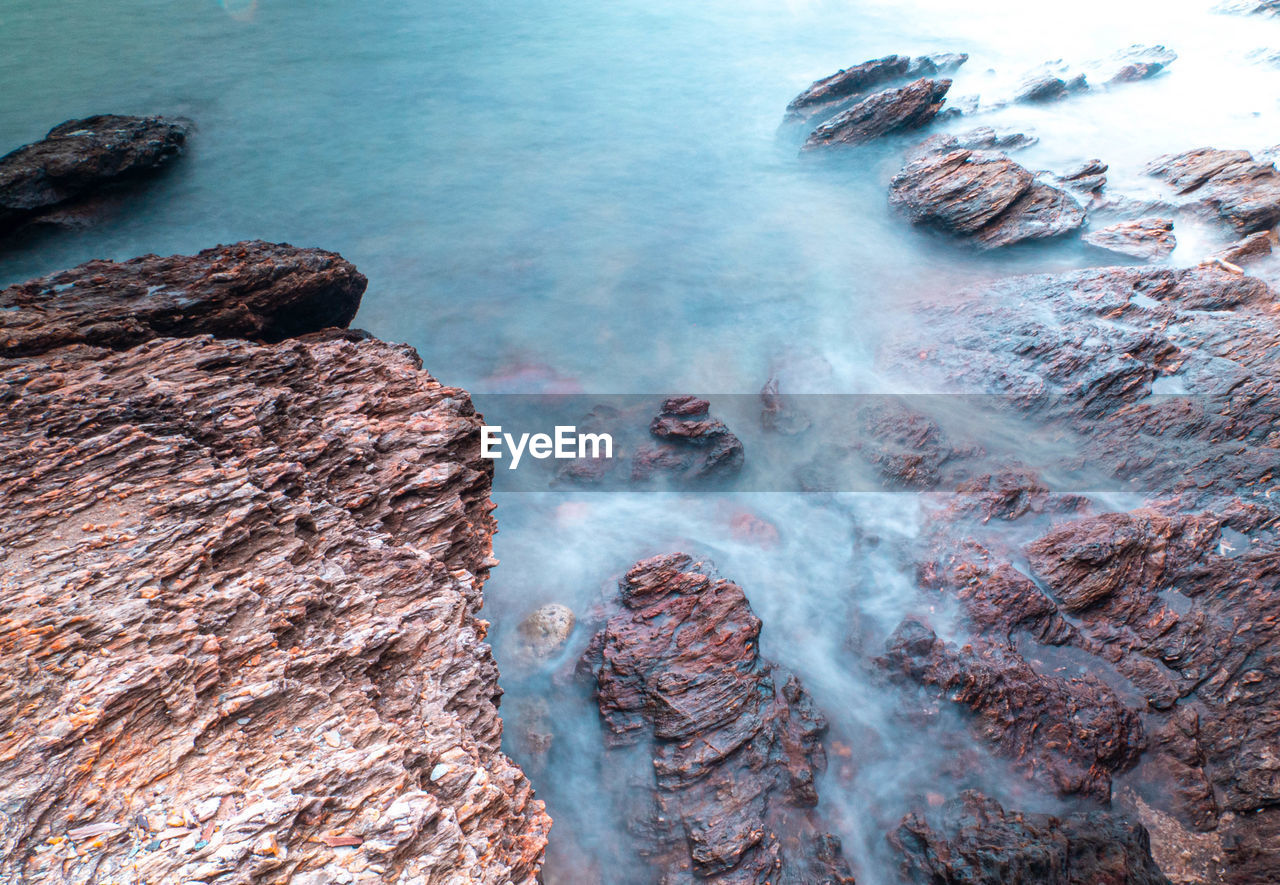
(831, 94)
(251, 290)
(81, 157)
(692, 445)
(973, 840)
(1244, 192)
(961, 191)
(894, 110)
(735, 741)
(239, 618)
(1041, 212)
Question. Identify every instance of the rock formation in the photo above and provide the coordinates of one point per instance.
(1243, 191)
(894, 110)
(80, 158)
(735, 741)
(1147, 238)
(239, 622)
(832, 94)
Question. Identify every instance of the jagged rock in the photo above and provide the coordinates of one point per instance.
(1043, 211)
(1090, 176)
(983, 138)
(834, 93)
(973, 840)
(735, 741)
(81, 157)
(253, 289)
(1140, 62)
(1147, 238)
(1072, 734)
(1250, 7)
(894, 110)
(1249, 249)
(692, 445)
(984, 196)
(240, 597)
(1040, 88)
(544, 632)
(1244, 192)
(961, 191)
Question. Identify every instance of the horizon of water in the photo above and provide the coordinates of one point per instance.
(565, 196)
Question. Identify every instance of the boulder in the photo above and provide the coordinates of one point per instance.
(1244, 192)
(80, 158)
(894, 110)
(834, 93)
(734, 742)
(545, 630)
(690, 445)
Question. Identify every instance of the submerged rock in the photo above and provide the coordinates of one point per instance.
(735, 741)
(81, 157)
(544, 632)
(258, 290)
(984, 196)
(1147, 238)
(241, 592)
(691, 444)
(1243, 191)
(974, 840)
(894, 110)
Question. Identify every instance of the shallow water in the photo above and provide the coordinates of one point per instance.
(577, 196)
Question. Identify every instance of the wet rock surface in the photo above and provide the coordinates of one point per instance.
(732, 743)
(80, 158)
(1243, 191)
(974, 840)
(1147, 238)
(239, 620)
(253, 289)
(894, 110)
(985, 197)
(692, 445)
(832, 94)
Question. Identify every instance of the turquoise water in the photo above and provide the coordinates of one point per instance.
(578, 196)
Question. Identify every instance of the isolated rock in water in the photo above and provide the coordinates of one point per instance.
(545, 631)
(1073, 734)
(831, 94)
(1044, 87)
(1140, 62)
(974, 840)
(736, 743)
(1090, 176)
(256, 290)
(1244, 192)
(893, 110)
(1041, 212)
(692, 445)
(241, 605)
(1249, 249)
(1146, 238)
(79, 158)
(961, 191)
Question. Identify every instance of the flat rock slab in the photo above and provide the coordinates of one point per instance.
(1147, 238)
(257, 290)
(894, 110)
(81, 157)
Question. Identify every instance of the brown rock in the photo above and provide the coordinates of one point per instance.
(894, 110)
(234, 570)
(961, 191)
(1041, 212)
(736, 743)
(1244, 192)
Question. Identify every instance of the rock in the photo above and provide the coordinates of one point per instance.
(973, 840)
(1244, 192)
(1041, 88)
(1147, 238)
(257, 290)
(961, 191)
(831, 94)
(544, 631)
(1090, 176)
(1140, 62)
(1250, 7)
(692, 446)
(983, 138)
(1249, 249)
(894, 110)
(1072, 734)
(1043, 211)
(736, 743)
(203, 530)
(81, 157)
